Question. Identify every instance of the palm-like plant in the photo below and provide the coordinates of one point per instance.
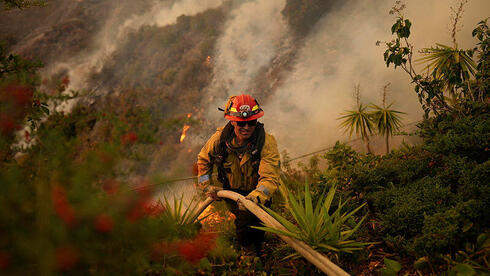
(319, 227)
(449, 65)
(387, 121)
(359, 121)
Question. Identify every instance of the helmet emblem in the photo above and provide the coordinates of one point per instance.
(245, 107)
(245, 111)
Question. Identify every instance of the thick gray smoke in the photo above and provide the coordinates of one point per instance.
(340, 53)
(253, 33)
(115, 32)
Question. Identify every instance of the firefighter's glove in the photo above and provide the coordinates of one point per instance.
(257, 197)
(212, 192)
(241, 207)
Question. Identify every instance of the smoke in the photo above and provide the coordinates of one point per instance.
(115, 32)
(340, 53)
(252, 36)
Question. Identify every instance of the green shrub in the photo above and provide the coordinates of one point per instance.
(428, 199)
(466, 135)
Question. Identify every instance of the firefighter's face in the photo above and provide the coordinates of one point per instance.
(244, 131)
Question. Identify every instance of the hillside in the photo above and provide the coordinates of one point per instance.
(104, 106)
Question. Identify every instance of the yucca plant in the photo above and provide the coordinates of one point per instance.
(450, 65)
(387, 121)
(359, 121)
(320, 227)
(180, 218)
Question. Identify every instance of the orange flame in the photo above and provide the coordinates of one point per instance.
(184, 131)
(208, 60)
(211, 218)
(189, 115)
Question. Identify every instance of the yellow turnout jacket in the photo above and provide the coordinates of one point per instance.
(240, 173)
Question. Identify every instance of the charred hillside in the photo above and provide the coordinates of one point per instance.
(163, 70)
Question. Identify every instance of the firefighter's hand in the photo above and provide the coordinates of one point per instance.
(212, 192)
(253, 198)
(241, 207)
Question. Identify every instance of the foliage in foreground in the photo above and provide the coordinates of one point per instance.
(65, 203)
(428, 200)
(324, 227)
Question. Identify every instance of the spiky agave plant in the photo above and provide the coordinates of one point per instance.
(178, 213)
(321, 228)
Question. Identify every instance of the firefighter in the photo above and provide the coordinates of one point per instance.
(247, 161)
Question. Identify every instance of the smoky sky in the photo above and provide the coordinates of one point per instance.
(339, 53)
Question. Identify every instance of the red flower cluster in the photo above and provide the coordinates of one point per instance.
(22, 96)
(190, 250)
(65, 80)
(143, 199)
(62, 207)
(27, 136)
(66, 258)
(129, 137)
(14, 100)
(163, 248)
(154, 209)
(105, 157)
(197, 248)
(8, 124)
(110, 186)
(103, 223)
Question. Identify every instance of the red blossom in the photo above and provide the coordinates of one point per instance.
(144, 188)
(27, 136)
(103, 223)
(66, 258)
(62, 207)
(163, 248)
(154, 209)
(197, 248)
(111, 186)
(192, 250)
(4, 260)
(431, 163)
(105, 158)
(142, 200)
(65, 81)
(22, 94)
(7, 124)
(130, 137)
(160, 143)
(135, 213)
(137, 209)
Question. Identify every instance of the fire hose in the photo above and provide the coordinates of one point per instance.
(314, 257)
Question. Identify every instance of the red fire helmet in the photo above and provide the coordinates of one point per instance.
(243, 108)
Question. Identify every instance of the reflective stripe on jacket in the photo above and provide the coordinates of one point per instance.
(240, 172)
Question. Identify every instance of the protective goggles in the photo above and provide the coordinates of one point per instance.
(249, 123)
